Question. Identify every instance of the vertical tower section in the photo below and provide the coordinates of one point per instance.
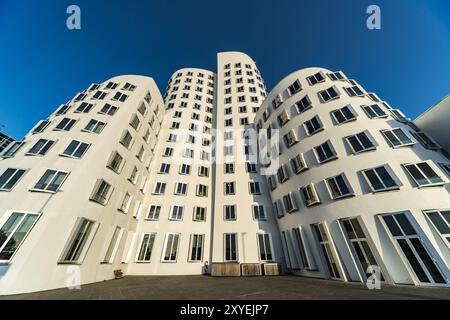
(174, 227)
(359, 194)
(71, 190)
(245, 228)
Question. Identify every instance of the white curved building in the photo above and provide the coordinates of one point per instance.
(355, 188)
(119, 181)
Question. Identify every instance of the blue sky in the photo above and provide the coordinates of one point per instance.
(43, 64)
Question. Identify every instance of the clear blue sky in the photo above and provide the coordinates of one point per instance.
(43, 64)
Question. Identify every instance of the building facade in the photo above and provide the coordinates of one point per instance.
(120, 180)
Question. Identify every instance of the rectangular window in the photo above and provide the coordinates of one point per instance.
(112, 248)
(282, 175)
(325, 152)
(313, 125)
(283, 118)
(290, 204)
(41, 126)
(84, 108)
(126, 139)
(181, 189)
(426, 140)
(199, 214)
(423, 174)
(99, 95)
(329, 94)
(397, 138)
(125, 203)
(62, 110)
(146, 247)
(298, 163)
(230, 247)
(102, 192)
(251, 167)
(171, 247)
(294, 88)
(339, 187)
(51, 180)
(196, 247)
(316, 78)
(336, 76)
(354, 91)
(10, 177)
(119, 96)
(441, 221)
(176, 213)
(165, 168)
(108, 109)
(41, 147)
(202, 190)
(258, 212)
(380, 179)
(229, 188)
(229, 167)
(344, 115)
(374, 111)
(310, 196)
(65, 124)
(135, 123)
(12, 149)
(301, 245)
(290, 138)
(153, 212)
(16, 226)
(230, 212)
(360, 142)
(327, 252)
(254, 188)
(115, 162)
(413, 248)
(185, 169)
(76, 149)
(160, 188)
(303, 104)
(78, 244)
(94, 126)
(265, 247)
(203, 171)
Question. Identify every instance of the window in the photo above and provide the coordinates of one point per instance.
(283, 118)
(290, 138)
(203, 171)
(160, 188)
(119, 96)
(426, 140)
(358, 242)
(282, 175)
(84, 107)
(329, 94)
(41, 126)
(360, 142)
(185, 169)
(298, 163)
(277, 101)
(344, 115)
(80, 97)
(325, 152)
(423, 174)
(339, 187)
(254, 187)
(229, 188)
(165, 168)
(108, 109)
(441, 221)
(303, 104)
(11, 149)
(16, 226)
(115, 240)
(413, 248)
(199, 214)
(265, 247)
(374, 111)
(142, 109)
(176, 213)
(168, 152)
(41, 147)
(354, 91)
(251, 167)
(135, 123)
(80, 239)
(62, 109)
(202, 190)
(310, 196)
(111, 85)
(230, 212)
(125, 203)
(65, 124)
(76, 149)
(294, 88)
(230, 246)
(380, 179)
(301, 244)
(10, 177)
(95, 126)
(398, 115)
(146, 247)
(397, 138)
(336, 76)
(171, 247)
(153, 212)
(102, 192)
(313, 125)
(115, 162)
(228, 122)
(315, 78)
(196, 247)
(181, 189)
(327, 251)
(51, 181)
(229, 167)
(126, 139)
(290, 204)
(258, 212)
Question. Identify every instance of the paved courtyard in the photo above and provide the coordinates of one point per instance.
(241, 288)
